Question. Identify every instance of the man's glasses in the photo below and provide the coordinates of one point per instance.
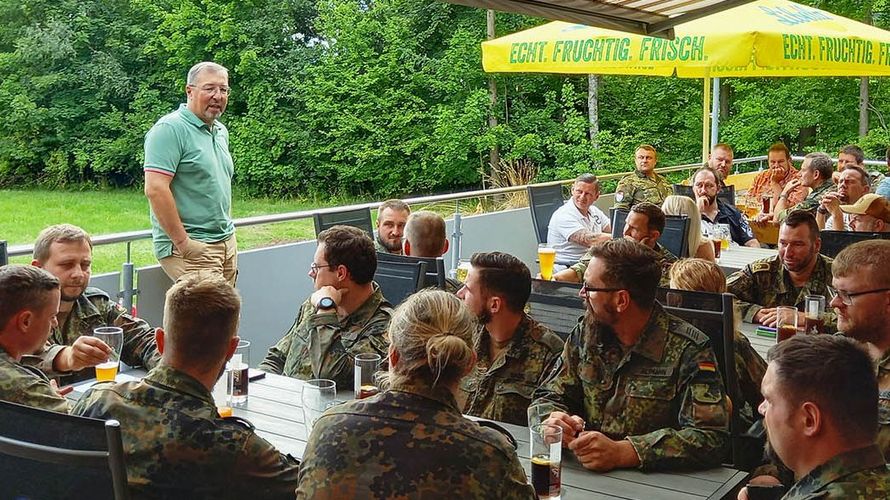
(223, 91)
(313, 268)
(587, 289)
(847, 297)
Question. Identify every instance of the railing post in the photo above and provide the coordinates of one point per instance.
(127, 289)
(455, 240)
(4, 257)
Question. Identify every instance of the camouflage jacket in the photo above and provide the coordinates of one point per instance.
(638, 187)
(664, 394)
(667, 259)
(856, 474)
(177, 445)
(408, 442)
(321, 345)
(452, 285)
(28, 386)
(382, 249)
(94, 308)
(501, 389)
(765, 283)
(884, 404)
(812, 201)
(750, 368)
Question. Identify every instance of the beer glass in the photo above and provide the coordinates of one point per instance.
(240, 375)
(546, 447)
(463, 267)
(537, 414)
(814, 321)
(113, 338)
(222, 392)
(725, 235)
(318, 395)
(546, 257)
(786, 323)
(366, 365)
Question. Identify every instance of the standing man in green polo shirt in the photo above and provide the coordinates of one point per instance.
(188, 180)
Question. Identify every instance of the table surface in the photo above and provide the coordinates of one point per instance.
(759, 343)
(274, 408)
(737, 257)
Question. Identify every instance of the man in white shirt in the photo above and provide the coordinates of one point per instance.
(578, 224)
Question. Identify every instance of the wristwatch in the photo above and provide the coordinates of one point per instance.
(326, 303)
(822, 210)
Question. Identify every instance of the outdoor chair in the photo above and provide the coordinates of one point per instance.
(556, 305)
(360, 218)
(713, 314)
(4, 255)
(542, 202)
(835, 241)
(44, 454)
(398, 280)
(618, 216)
(435, 267)
(726, 195)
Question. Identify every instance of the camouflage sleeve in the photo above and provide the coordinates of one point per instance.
(627, 189)
(264, 472)
(581, 267)
(741, 284)
(370, 338)
(562, 388)
(140, 348)
(43, 359)
(703, 436)
(34, 391)
(750, 369)
(277, 355)
(807, 204)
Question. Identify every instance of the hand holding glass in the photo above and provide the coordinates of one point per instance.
(113, 337)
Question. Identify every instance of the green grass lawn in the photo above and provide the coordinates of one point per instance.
(27, 212)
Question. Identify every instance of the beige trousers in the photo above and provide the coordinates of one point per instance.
(221, 257)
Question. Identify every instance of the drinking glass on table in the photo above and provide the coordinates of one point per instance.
(366, 365)
(113, 337)
(546, 257)
(222, 392)
(318, 395)
(463, 267)
(546, 454)
(786, 323)
(725, 235)
(814, 314)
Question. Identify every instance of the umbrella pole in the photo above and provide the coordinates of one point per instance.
(715, 111)
(706, 116)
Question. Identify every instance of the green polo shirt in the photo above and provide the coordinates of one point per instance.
(197, 157)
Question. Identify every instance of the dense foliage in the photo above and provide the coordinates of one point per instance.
(383, 97)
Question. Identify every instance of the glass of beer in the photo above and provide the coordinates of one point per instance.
(725, 235)
(318, 394)
(814, 314)
(113, 338)
(222, 392)
(786, 323)
(463, 267)
(366, 365)
(240, 373)
(546, 460)
(547, 257)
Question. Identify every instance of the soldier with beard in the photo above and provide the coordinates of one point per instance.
(787, 278)
(71, 352)
(852, 184)
(513, 351)
(713, 211)
(771, 182)
(635, 386)
(392, 216)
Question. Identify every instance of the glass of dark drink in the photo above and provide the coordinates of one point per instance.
(786, 323)
(546, 460)
(366, 365)
(240, 369)
(814, 314)
(717, 244)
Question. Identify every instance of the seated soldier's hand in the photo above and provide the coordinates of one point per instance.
(85, 352)
(571, 425)
(766, 316)
(597, 452)
(760, 481)
(326, 291)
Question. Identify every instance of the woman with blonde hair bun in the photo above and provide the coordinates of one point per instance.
(683, 205)
(411, 440)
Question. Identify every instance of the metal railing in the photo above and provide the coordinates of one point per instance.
(127, 270)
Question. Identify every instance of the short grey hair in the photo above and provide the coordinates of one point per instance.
(202, 67)
(588, 178)
(822, 163)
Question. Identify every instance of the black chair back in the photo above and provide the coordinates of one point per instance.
(835, 241)
(435, 267)
(542, 202)
(675, 236)
(44, 454)
(618, 216)
(556, 305)
(713, 314)
(4, 255)
(398, 280)
(360, 218)
(726, 195)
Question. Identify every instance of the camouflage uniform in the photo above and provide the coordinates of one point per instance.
(321, 345)
(664, 394)
(94, 308)
(884, 404)
(452, 285)
(667, 258)
(501, 389)
(765, 283)
(856, 474)
(28, 386)
(177, 445)
(811, 202)
(382, 249)
(408, 442)
(637, 187)
(750, 368)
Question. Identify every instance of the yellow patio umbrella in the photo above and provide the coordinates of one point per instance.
(758, 39)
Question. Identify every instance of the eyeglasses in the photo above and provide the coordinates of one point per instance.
(847, 297)
(586, 289)
(223, 91)
(313, 268)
